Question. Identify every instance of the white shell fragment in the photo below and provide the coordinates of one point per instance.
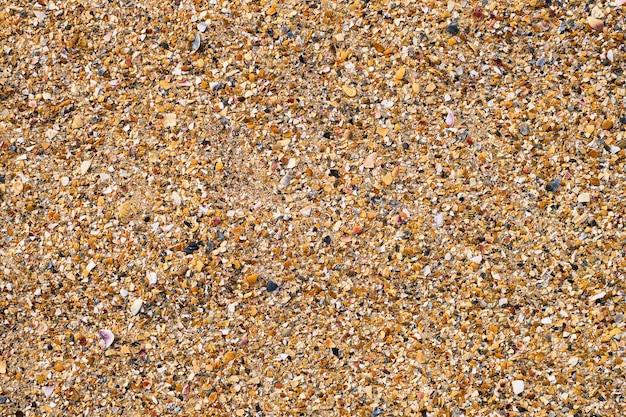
(285, 181)
(196, 43)
(136, 306)
(84, 166)
(584, 198)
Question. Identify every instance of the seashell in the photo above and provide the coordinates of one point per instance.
(84, 166)
(450, 119)
(169, 120)
(285, 181)
(196, 43)
(136, 306)
(176, 199)
(370, 161)
(106, 338)
(48, 390)
(127, 210)
(595, 23)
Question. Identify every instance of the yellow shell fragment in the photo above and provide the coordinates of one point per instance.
(350, 91)
(400, 74)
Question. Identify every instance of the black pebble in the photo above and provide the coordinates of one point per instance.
(3, 399)
(326, 135)
(326, 240)
(164, 45)
(271, 286)
(452, 28)
(405, 146)
(553, 185)
(191, 248)
(622, 120)
(335, 351)
(334, 173)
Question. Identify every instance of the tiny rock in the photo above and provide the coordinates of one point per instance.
(453, 28)
(518, 386)
(434, 59)
(524, 129)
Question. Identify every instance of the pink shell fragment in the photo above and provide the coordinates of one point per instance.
(48, 390)
(106, 337)
(450, 119)
(595, 23)
(370, 161)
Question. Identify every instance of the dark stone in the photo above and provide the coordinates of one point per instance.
(191, 248)
(553, 185)
(453, 28)
(271, 286)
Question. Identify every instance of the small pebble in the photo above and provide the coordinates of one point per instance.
(191, 248)
(271, 286)
(553, 185)
(377, 411)
(524, 129)
(453, 28)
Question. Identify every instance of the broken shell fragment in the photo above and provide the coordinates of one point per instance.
(106, 338)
